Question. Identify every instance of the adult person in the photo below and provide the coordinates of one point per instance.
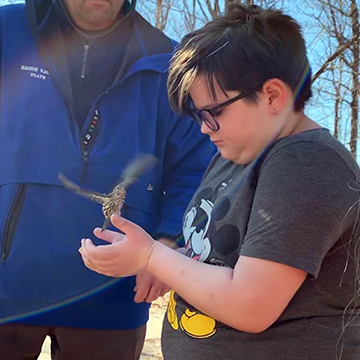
(273, 225)
(83, 92)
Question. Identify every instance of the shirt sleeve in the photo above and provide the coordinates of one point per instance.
(303, 202)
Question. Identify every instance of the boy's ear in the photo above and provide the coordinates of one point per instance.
(277, 94)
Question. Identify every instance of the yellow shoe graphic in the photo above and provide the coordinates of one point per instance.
(197, 325)
(171, 313)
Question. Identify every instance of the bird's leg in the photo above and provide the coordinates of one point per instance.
(105, 225)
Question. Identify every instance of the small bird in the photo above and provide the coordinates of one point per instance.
(113, 202)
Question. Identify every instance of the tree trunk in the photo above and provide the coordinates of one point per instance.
(355, 78)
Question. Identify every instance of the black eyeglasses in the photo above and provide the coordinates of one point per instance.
(208, 115)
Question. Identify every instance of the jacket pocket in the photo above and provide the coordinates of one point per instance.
(11, 221)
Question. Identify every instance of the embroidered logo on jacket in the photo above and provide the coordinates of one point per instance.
(35, 72)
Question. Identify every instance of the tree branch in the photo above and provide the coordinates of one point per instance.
(332, 57)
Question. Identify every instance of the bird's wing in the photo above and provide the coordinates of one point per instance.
(69, 185)
(136, 168)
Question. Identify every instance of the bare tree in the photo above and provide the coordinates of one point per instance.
(354, 66)
(189, 15)
(336, 23)
(179, 17)
(210, 9)
(162, 13)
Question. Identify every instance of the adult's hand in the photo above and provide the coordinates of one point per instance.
(148, 288)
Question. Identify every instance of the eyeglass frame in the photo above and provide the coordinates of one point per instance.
(196, 113)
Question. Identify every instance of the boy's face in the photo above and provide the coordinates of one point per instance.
(245, 128)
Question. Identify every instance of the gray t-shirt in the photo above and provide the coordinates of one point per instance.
(297, 204)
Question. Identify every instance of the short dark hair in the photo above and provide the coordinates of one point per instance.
(241, 50)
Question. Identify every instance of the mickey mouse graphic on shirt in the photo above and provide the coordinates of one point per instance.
(195, 228)
(207, 243)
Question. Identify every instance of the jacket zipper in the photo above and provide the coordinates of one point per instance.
(84, 60)
(84, 152)
(11, 221)
(88, 140)
(84, 148)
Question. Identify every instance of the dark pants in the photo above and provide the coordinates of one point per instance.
(24, 342)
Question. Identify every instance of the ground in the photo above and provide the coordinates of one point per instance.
(152, 349)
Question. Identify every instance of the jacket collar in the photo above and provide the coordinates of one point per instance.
(150, 48)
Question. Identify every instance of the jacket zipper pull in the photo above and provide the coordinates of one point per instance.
(85, 166)
(85, 156)
(84, 60)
